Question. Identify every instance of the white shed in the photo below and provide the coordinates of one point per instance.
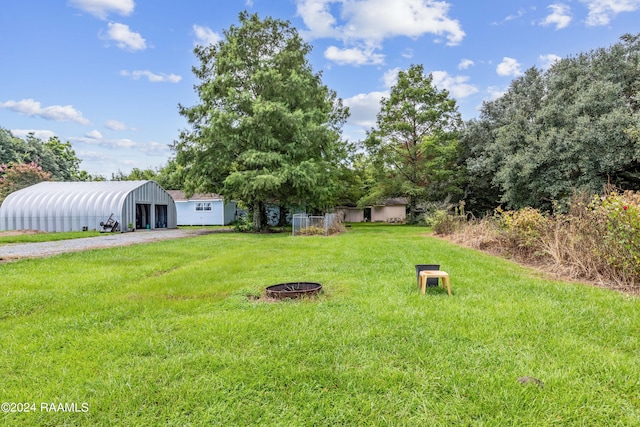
(203, 209)
(77, 206)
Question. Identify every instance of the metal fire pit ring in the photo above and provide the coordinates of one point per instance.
(293, 290)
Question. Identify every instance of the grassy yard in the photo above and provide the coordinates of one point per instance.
(171, 333)
(18, 237)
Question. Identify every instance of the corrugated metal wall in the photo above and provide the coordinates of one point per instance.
(72, 206)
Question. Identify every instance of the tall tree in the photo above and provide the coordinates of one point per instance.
(571, 129)
(54, 156)
(414, 141)
(266, 128)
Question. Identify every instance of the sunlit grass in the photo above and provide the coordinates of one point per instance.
(45, 237)
(171, 333)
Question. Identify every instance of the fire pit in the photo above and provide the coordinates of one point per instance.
(293, 290)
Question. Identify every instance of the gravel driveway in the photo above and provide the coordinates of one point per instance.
(14, 251)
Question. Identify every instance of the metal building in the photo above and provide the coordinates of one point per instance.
(77, 206)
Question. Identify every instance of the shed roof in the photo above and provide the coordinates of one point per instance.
(394, 201)
(62, 192)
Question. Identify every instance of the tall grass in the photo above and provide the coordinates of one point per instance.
(598, 239)
(171, 333)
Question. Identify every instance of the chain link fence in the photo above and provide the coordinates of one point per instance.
(315, 225)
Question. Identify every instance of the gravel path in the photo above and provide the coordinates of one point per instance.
(14, 251)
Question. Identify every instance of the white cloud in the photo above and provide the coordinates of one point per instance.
(518, 15)
(509, 67)
(353, 56)
(364, 107)
(560, 16)
(205, 36)
(456, 85)
(94, 134)
(465, 63)
(152, 77)
(102, 8)
(59, 113)
(369, 22)
(390, 77)
(602, 11)
(116, 125)
(407, 53)
(495, 92)
(107, 143)
(38, 133)
(156, 149)
(318, 18)
(548, 60)
(124, 37)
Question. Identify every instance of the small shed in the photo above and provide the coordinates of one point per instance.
(203, 209)
(78, 206)
(350, 214)
(392, 210)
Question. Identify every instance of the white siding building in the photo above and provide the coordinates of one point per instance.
(203, 209)
(77, 206)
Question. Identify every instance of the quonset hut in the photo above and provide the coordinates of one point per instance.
(78, 206)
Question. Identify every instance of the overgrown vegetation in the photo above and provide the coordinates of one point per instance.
(172, 333)
(597, 239)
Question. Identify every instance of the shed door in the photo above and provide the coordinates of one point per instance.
(161, 216)
(143, 216)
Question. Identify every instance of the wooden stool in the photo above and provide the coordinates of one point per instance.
(426, 274)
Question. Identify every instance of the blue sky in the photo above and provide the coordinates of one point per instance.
(108, 75)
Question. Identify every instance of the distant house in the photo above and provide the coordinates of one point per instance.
(350, 214)
(392, 210)
(203, 209)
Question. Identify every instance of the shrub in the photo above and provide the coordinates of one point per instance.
(618, 216)
(523, 227)
(446, 223)
(595, 240)
(243, 225)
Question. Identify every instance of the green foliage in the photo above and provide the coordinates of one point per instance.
(136, 174)
(414, 143)
(54, 156)
(446, 220)
(523, 227)
(266, 128)
(571, 129)
(244, 224)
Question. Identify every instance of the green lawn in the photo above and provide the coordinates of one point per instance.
(46, 237)
(170, 333)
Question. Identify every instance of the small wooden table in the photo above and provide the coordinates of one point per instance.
(427, 274)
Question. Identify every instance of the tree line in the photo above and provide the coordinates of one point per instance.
(267, 130)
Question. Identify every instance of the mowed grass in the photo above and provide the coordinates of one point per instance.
(45, 237)
(171, 333)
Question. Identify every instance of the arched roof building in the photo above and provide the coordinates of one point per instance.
(77, 206)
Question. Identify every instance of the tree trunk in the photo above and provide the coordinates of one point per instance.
(259, 216)
(282, 220)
